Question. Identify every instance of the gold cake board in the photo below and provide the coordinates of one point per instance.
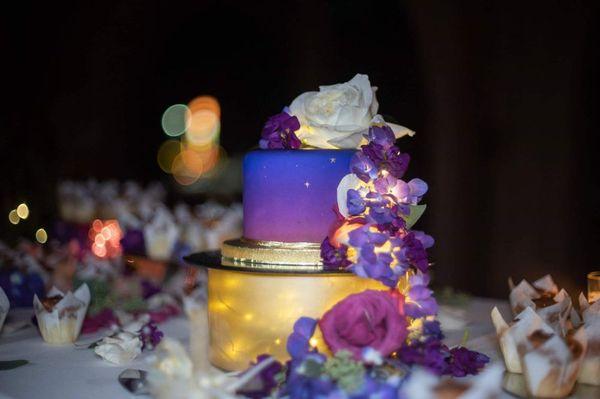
(252, 306)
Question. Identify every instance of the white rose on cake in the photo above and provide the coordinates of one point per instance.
(337, 116)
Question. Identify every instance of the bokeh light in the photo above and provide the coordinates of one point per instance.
(209, 103)
(41, 236)
(196, 153)
(204, 128)
(105, 237)
(167, 153)
(23, 211)
(13, 217)
(175, 120)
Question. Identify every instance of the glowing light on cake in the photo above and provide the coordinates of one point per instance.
(239, 333)
(105, 237)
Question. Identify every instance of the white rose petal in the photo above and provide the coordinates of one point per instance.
(348, 182)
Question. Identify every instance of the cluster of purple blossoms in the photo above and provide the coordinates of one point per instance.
(150, 336)
(279, 132)
(385, 247)
(380, 154)
(429, 352)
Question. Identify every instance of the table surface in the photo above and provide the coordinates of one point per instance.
(65, 372)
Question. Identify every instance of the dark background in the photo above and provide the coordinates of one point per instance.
(503, 96)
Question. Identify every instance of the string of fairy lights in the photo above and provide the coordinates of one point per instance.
(21, 212)
(192, 149)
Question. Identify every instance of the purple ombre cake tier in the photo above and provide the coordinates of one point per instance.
(290, 195)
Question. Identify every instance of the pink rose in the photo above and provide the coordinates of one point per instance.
(368, 319)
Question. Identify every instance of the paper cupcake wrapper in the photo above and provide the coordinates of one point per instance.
(551, 368)
(590, 368)
(559, 316)
(63, 324)
(515, 334)
(4, 307)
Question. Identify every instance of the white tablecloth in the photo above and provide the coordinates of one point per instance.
(65, 372)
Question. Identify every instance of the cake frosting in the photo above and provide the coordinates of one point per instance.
(290, 195)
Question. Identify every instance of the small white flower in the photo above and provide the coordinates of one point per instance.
(120, 348)
(371, 356)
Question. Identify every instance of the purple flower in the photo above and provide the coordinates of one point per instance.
(363, 167)
(426, 240)
(385, 185)
(463, 362)
(356, 203)
(298, 345)
(263, 385)
(432, 330)
(382, 136)
(363, 236)
(278, 132)
(430, 354)
(395, 162)
(150, 336)
(422, 303)
(412, 253)
(333, 257)
(390, 159)
(302, 385)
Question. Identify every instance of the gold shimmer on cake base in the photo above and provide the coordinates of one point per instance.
(248, 252)
(253, 313)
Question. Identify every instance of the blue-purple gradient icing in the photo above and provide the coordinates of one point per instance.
(289, 195)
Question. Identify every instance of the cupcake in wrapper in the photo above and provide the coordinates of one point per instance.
(60, 315)
(512, 335)
(551, 364)
(590, 368)
(543, 296)
(160, 235)
(4, 307)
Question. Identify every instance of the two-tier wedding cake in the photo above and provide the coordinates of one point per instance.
(326, 215)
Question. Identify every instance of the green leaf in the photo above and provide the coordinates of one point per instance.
(416, 211)
(12, 364)
(465, 338)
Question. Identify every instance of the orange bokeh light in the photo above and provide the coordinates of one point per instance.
(209, 103)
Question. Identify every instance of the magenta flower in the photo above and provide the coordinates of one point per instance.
(104, 319)
(279, 132)
(368, 319)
